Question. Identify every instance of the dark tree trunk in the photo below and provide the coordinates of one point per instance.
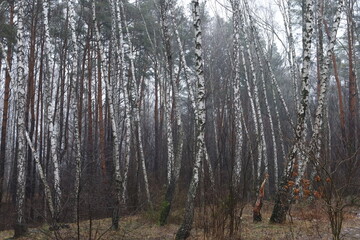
(5, 110)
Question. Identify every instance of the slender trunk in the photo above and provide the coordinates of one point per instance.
(253, 111)
(268, 112)
(90, 143)
(283, 195)
(101, 120)
(51, 109)
(319, 45)
(316, 142)
(237, 99)
(116, 143)
(74, 106)
(127, 118)
(20, 225)
(42, 175)
(178, 142)
(184, 230)
(352, 81)
(135, 102)
(4, 124)
(30, 104)
(262, 155)
(169, 78)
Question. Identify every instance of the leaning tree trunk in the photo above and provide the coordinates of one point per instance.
(185, 228)
(268, 112)
(283, 195)
(38, 164)
(42, 175)
(258, 117)
(20, 225)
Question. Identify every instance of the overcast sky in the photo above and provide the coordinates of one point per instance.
(264, 9)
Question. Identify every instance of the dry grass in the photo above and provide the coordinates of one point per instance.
(308, 222)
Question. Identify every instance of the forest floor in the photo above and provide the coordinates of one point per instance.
(308, 222)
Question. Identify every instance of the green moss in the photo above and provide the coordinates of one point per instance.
(165, 209)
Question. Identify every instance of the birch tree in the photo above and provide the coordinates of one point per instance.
(237, 100)
(256, 108)
(185, 228)
(20, 226)
(283, 195)
(127, 117)
(263, 86)
(320, 110)
(53, 134)
(74, 105)
(134, 101)
(42, 175)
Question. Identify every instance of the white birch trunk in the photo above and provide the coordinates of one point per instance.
(135, 105)
(319, 116)
(168, 83)
(315, 143)
(261, 136)
(281, 139)
(184, 230)
(73, 80)
(169, 134)
(41, 172)
(127, 118)
(237, 99)
(53, 131)
(253, 111)
(294, 69)
(20, 226)
(109, 96)
(283, 196)
(278, 90)
(268, 112)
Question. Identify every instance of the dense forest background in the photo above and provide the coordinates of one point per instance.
(111, 107)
